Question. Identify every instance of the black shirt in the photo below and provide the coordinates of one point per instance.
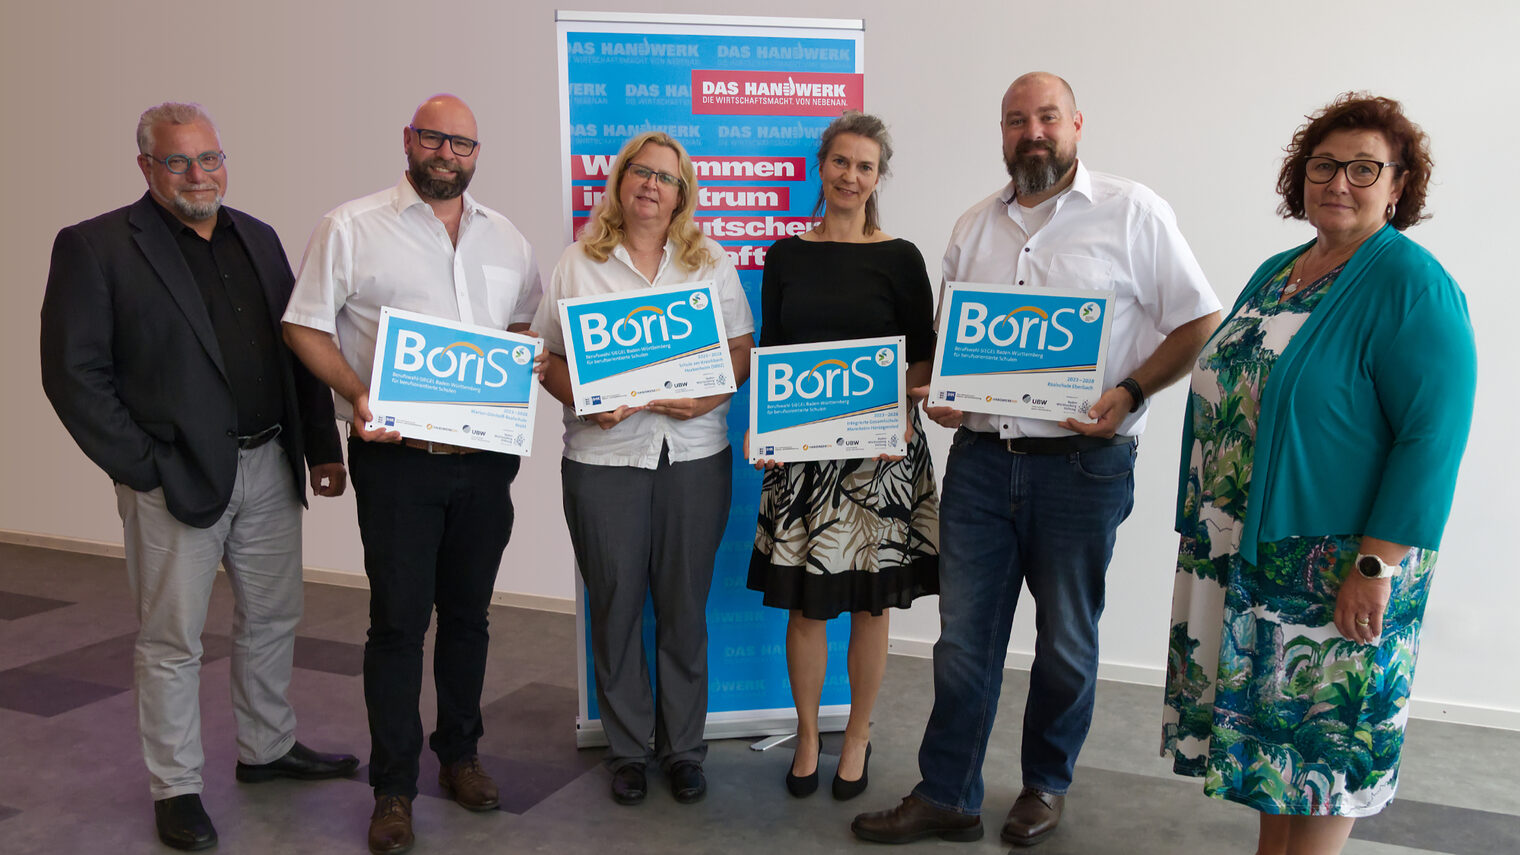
(817, 291)
(240, 317)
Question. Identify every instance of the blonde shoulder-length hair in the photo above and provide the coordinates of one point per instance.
(604, 230)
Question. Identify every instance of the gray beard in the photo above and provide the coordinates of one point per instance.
(196, 212)
(1032, 176)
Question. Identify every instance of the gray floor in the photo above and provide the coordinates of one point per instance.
(72, 779)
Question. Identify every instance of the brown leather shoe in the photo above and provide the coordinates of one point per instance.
(465, 782)
(390, 826)
(1034, 815)
(915, 819)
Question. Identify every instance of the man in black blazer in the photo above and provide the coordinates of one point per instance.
(162, 354)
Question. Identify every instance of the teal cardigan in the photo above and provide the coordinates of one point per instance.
(1365, 415)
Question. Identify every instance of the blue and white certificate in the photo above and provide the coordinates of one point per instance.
(460, 384)
(828, 401)
(630, 348)
(1020, 351)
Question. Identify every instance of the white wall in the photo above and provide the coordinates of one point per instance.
(1194, 98)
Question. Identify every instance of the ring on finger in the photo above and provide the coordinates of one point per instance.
(1362, 621)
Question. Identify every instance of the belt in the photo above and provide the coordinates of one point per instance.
(437, 447)
(254, 440)
(1054, 444)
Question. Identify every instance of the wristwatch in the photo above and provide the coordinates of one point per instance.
(1374, 567)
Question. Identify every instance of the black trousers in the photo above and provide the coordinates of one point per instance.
(434, 527)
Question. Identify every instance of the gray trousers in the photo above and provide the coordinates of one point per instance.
(171, 567)
(638, 532)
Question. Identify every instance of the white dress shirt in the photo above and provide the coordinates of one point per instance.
(389, 249)
(637, 440)
(1103, 233)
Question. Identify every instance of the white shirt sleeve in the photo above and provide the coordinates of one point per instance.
(322, 286)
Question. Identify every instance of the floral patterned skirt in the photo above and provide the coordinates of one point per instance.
(838, 536)
(1264, 698)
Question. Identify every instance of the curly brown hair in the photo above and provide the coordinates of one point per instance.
(1361, 111)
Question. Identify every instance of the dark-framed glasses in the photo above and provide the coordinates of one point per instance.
(1359, 173)
(642, 173)
(462, 146)
(179, 164)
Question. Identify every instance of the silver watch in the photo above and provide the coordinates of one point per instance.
(1374, 567)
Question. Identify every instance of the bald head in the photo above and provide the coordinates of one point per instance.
(446, 113)
(1056, 89)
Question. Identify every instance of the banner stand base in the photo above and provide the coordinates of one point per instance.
(777, 725)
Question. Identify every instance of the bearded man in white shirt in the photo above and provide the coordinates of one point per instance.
(434, 518)
(1038, 503)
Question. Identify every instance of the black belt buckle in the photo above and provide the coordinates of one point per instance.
(252, 441)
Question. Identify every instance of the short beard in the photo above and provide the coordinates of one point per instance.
(439, 189)
(1032, 175)
(196, 212)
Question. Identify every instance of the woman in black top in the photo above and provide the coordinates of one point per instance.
(846, 535)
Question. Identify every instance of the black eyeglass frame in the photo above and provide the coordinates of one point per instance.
(674, 182)
(454, 141)
(1345, 165)
(221, 159)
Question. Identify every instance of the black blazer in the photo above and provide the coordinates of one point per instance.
(132, 366)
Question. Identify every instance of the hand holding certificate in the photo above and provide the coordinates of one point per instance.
(631, 348)
(1017, 351)
(448, 382)
(828, 401)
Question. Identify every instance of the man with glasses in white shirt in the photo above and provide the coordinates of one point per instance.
(434, 518)
(1038, 503)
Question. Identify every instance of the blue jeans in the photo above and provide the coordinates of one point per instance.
(1048, 521)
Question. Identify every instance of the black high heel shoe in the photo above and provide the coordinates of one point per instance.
(846, 790)
(803, 786)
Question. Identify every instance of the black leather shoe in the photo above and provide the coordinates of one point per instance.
(846, 790)
(301, 763)
(183, 824)
(803, 786)
(687, 783)
(629, 786)
(1035, 814)
(916, 819)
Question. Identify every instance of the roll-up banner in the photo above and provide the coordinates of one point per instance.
(748, 98)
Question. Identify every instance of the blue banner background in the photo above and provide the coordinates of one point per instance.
(624, 83)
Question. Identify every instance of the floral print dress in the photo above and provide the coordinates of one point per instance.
(1264, 698)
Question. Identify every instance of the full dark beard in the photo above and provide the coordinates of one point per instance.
(1033, 175)
(439, 188)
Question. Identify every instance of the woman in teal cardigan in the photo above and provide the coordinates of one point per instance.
(1326, 420)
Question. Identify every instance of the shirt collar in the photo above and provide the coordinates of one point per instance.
(1081, 183)
(620, 252)
(407, 197)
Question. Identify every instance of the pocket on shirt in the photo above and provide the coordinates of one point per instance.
(1080, 271)
(502, 286)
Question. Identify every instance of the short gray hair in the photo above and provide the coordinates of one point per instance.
(170, 112)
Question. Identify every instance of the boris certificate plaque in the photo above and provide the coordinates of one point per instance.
(633, 347)
(444, 381)
(1020, 351)
(828, 401)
